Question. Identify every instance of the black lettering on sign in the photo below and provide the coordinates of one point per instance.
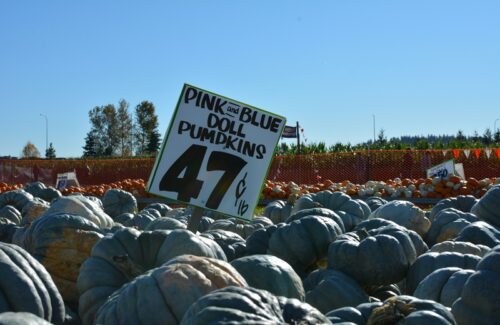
(232, 165)
(188, 186)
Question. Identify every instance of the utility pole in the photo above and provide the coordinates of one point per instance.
(373, 128)
(46, 133)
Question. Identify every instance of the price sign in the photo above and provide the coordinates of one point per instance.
(442, 170)
(216, 153)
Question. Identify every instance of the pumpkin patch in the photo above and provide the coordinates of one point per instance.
(324, 256)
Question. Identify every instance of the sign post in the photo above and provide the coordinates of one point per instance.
(216, 154)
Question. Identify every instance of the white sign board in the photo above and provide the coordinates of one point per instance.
(216, 153)
(66, 180)
(442, 170)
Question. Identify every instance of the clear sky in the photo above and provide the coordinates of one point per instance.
(419, 67)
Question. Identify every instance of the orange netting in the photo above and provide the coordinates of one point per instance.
(358, 167)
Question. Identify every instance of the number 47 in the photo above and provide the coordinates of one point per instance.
(188, 186)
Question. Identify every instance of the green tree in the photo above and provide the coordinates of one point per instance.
(50, 153)
(89, 149)
(105, 130)
(381, 138)
(124, 129)
(30, 151)
(97, 132)
(487, 138)
(146, 124)
(112, 138)
(154, 142)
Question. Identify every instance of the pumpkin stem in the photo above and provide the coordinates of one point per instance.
(390, 312)
(362, 234)
(292, 198)
(127, 266)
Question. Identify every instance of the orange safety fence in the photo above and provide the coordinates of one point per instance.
(357, 167)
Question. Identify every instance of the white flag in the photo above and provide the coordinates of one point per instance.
(444, 152)
(488, 152)
(467, 153)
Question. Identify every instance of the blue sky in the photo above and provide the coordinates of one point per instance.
(420, 67)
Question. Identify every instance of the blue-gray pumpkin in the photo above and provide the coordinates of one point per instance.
(247, 305)
(163, 294)
(430, 262)
(328, 289)
(488, 206)
(479, 301)
(447, 224)
(268, 272)
(373, 259)
(443, 285)
(26, 286)
(120, 257)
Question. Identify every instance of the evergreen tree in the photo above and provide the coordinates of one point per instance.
(50, 153)
(89, 149)
(112, 138)
(146, 123)
(154, 142)
(381, 138)
(124, 129)
(97, 132)
(487, 138)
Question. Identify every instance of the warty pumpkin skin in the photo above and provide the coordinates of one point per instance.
(347, 208)
(373, 259)
(26, 286)
(488, 206)
(116, 201)
(61, 243)
(447, 224)
(247, 305)
(322, 212)
(479, 300)
(481, 233)
(120, 257)
(304, 242)
(443, 285)
(430, 262)
(328, 289)
(163, 294)
(268, 272)
(32, 210)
